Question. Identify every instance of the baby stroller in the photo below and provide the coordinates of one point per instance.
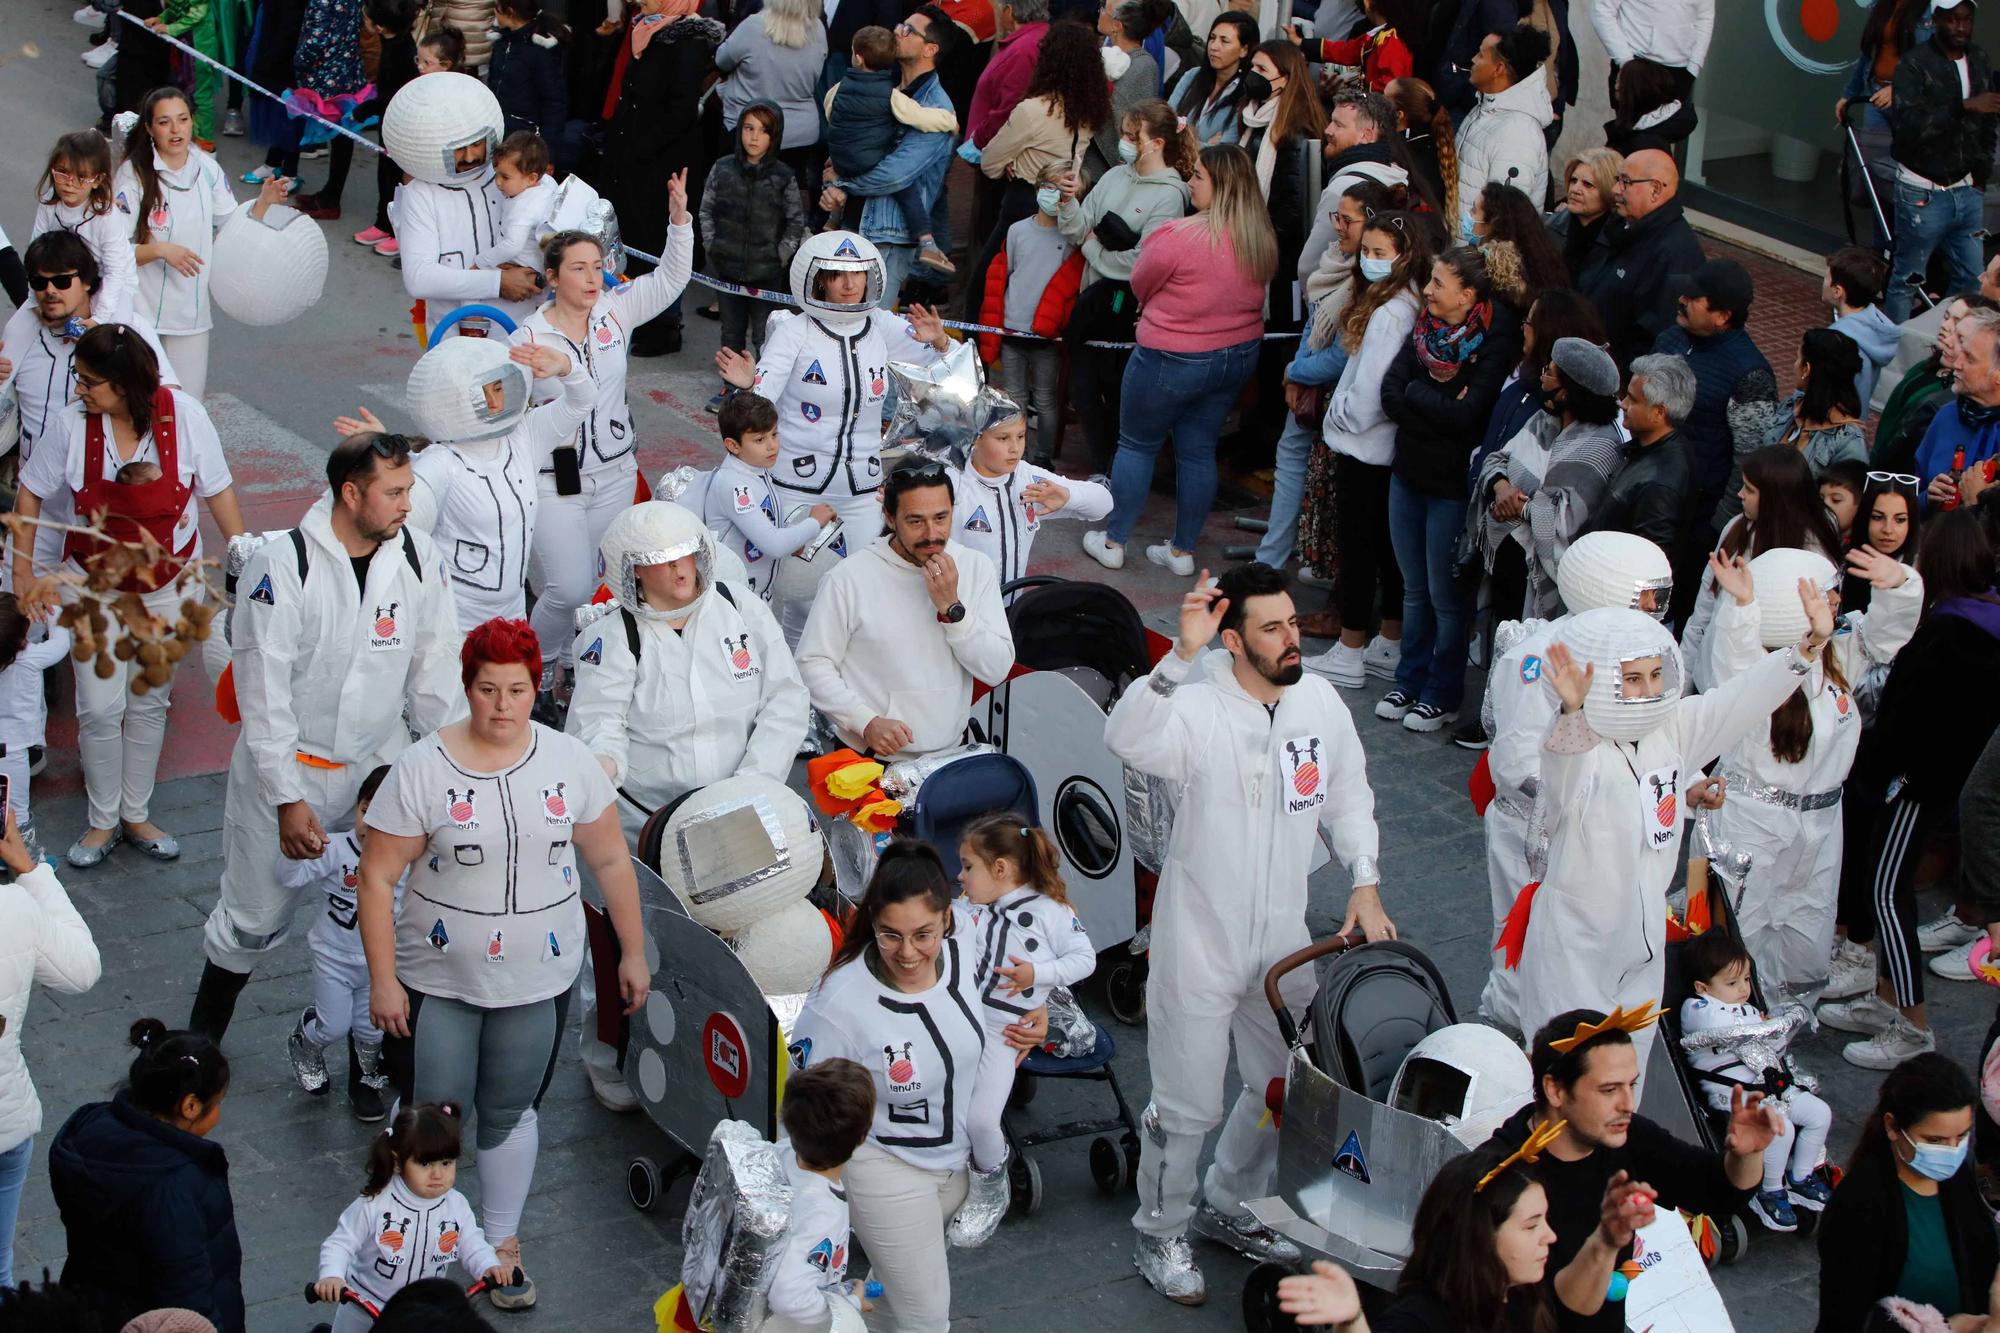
(1375, 1002)
(1077, 646)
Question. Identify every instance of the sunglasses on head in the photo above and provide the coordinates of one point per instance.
(921, 475)
(1893, 478)
(59, 281)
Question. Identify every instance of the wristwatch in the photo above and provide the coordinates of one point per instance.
(952, 614)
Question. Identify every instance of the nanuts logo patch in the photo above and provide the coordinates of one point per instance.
(1305, 784)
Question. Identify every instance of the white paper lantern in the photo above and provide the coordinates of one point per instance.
(785, 953)
(270, 270)
(1775, 574)
(447, 390)
(740, 850)
(430, 119)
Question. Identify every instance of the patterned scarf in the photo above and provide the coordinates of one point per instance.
(1443, 347)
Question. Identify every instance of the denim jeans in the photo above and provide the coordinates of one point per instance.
(1186, 394)
(1288, 491)
(13, 1175)
(1424, 529)
(1929, 220)
(896, 261)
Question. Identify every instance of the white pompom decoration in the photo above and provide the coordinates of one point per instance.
(267, 271)
(786, 952)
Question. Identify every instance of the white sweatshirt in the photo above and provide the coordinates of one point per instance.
(521, 216)
(23, 719)
(384, 1243)
(873, 646)
(109, 236)
(1356, 424)
(811, 1270)
(989, 515)
(1034, 928)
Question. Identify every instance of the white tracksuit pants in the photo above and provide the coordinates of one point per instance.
(569, 529)
(189, 353)
(340, 1001)
(254, 913)
(119, 734)
(899, 1212)
(860, 522)
(1506, 873)
(1189, 1055)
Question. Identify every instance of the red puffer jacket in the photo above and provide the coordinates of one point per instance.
(1052, 312)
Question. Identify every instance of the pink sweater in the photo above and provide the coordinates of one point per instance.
(1192, 296)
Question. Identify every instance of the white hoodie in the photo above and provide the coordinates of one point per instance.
(1502, 141)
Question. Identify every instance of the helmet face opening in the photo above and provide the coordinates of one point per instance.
(1647, 678)
(1434, 1090)
(502, 396)
(469, 156)
(837, 252)
(822, 269)
(1653, 596)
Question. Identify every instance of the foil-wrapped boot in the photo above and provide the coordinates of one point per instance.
(1244, 1234)
(365, 1091)
(307, 1056)
(985, 1204)
(1167, 1262)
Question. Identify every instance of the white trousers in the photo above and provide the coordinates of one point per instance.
(899, 1213)
(566, 566)
(253, 914)
(860, 522)
(119, 734)
(189, 353)
(1800, 1139)
(1506, 873)
(340, 1001)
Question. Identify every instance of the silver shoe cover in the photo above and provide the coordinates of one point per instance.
(1167, 1262)
(369, 1056)
(985, 1204)
(308, 1060)
(1245, 1235)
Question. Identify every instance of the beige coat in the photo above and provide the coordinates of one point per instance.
(1032, 137)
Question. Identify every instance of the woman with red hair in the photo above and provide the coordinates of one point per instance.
(471, 987)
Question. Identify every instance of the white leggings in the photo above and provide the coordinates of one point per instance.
(899, 1213)
(119, 733)
(189, 353)
(990, 1090)
(1797, 1146)
(569, 529)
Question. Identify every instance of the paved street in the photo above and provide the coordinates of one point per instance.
(297, 1160)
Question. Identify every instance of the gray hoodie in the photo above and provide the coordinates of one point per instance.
(1143, 201)
(1877, 336)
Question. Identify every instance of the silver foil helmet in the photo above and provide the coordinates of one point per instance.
(655, 533)
(468, 389)
(1468, 1077)
(579, 208)
(1615, 569)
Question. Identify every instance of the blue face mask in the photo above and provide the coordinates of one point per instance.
(1466, 232)
(1935, 1161)
(1375, 269)
(1128, 152)
(1048, 198)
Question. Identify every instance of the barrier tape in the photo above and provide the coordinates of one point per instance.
(718, 284)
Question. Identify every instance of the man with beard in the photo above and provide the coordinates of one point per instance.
(1264, 758)
(341, 627)
(1609, 1167)
(901, 630)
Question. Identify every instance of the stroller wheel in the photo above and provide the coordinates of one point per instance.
(1125, 991)
(1130, 1145)
(1024, 1178)
(642, 1183)
(1260, 1299)
(1735, 1239)
(1808, 1221)
(1108, 1166)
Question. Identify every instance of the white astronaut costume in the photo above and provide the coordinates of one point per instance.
(331, 882)
(193, 203)
(988, 513)
(571, 527)
(1600, 569)
(475, 491)
(828, 372)
(447, 213)
(741, 510)
(1257, 788)
(109, 236)
(385, 1242)
(1612, 776)
(1744, 1044)
(809, 1283)
(324, 673)
(1787, 815)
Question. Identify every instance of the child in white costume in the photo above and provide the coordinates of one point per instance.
(741, 507)
(1000, 502)
(521, 174)
(75, 196)
(1785, 810)
(409, 1222)
(827, 1113)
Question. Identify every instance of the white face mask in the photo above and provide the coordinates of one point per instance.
(1048, 198)
(1375, 269)
(1128, 152)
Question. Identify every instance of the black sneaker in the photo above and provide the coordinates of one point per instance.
(1426, 717)
(369, 1108)
(1395, 706)
(1471, 736)
(38, 759)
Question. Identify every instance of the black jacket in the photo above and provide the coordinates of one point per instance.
(1933, 134)
(525, 72)
(1438, 426)
(655, 129)
(1633, 275)
(1864, 1239)
(752, 219)
(1291, 205)
(147, 1214)
(1652, 495)
(1576, 239)
(1911, 738)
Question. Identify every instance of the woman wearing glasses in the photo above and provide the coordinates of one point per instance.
(899, 999)
(124, 416)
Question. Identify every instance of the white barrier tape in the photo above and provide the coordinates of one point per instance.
(719, 284)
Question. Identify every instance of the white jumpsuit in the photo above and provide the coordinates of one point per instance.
(1518, 709)
(1257, 788)
(478, 501)
(1596, 936)
(1787, 816)
(109, 236)
(741, 511)
(989, 515)
(809, 1277)
(829, 386)
(570, 528)
(331, 882)
(193, 203)
(324, 671)
(440, 229)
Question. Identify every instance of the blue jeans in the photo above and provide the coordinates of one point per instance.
(1288, 491)
(1929, 220)
(1187, 394)
(13, 1175)
(1424, 529)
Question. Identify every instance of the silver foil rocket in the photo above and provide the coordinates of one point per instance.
(735, 1228)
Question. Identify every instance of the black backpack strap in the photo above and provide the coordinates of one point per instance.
(410, 555)
(727, 595)
(298, 537)
(631, 632)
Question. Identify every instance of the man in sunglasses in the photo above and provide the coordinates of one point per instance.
(900, 631)
(339, 625)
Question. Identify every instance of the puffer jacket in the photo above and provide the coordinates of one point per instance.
(752, 219)
(1934, 135)
(147, 1214)
(472, 18)
(42, 939)
(1502, 141)
(1052, 308)
(525, 71)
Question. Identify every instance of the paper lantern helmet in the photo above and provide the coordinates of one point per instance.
(1781, 616)
(467, 389)
(443, 128)
(1609, 640)
(1602, 569)
(739, 851)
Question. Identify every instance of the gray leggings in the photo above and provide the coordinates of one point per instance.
(497, 1061)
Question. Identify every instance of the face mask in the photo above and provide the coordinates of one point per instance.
(1048, 198)
(1256, 88)
(1375, 269)
(1128, 152)
(1934, 1161)
(1466, 234)
(1551, 401)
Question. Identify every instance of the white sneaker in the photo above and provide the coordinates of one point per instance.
(1851, 971)
(1886, 1050)
(87, 17)
(1955, 964)
(97, 57)
(1312, 578)
(1099, 548)
(1382, 657)
(1869, 1015)
(1341, 665)
(1180, 562)
(1947, 932)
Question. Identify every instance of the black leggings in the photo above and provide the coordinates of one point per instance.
(1368, 574)
(1096, 379)
(1903, 828)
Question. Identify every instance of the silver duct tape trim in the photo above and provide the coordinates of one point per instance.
(1739, 785)
(827, 534)
(1149, 817)
(787, 1008)
(1149, 1124)
(664, 556)
(903, 780)
(1366, 871)
(1510, 634)
(735, 1229)
(986, 1197)
(1796, 660)
(1725, 861)
(1766, 1037)
(731, 847)
(1161, 684)
(591, 612)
